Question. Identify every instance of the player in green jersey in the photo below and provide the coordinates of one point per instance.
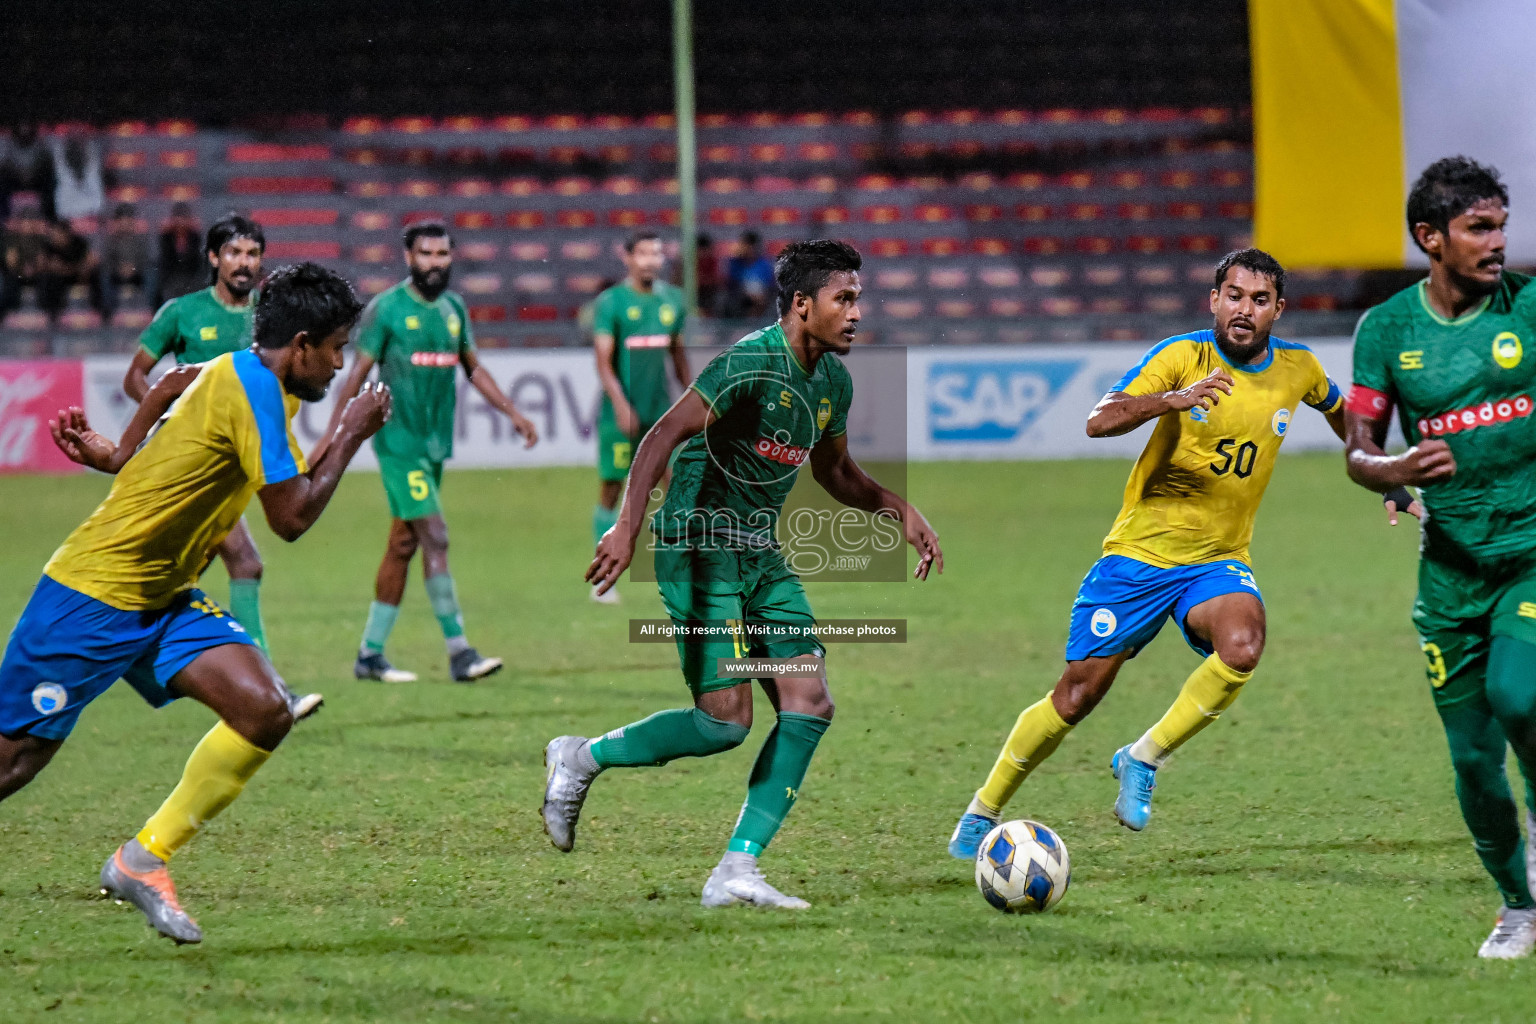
(195, 328)
(636, 325)
(418, 333)
(1456, 355)
(758, 412)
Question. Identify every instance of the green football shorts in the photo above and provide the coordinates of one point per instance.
(615, 449)
(1458, 612)
(735, 603)
(412, 486)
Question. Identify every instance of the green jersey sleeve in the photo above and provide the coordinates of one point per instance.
(841, 401)
(604, 315)
(466, 329)
(1372, 346)
(719, 387)
(371, 332)
(161, 334)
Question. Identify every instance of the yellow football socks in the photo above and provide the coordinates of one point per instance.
(1208, 691)
(1035, 736)
(220, 766)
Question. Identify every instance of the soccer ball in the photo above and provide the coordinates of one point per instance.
(1022, 868)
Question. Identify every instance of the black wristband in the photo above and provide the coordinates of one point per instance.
(1400, 496)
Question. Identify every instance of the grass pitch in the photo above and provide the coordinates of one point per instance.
(1305, 861)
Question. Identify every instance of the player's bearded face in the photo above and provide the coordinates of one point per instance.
(646, 260)
(239, 266)
(1245, 309)
(431, 263)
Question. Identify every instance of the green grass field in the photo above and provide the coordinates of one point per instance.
(1306, 860)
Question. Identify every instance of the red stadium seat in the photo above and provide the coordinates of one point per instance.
(476, 252)
(902, 309)
(723, 186)
(948, 277)
(612, 122)
(529, 251)
(1061, 115)
(1061, 305)
(933, 213)
(983, 213)
(1237, 211)
(1109, 304)
(466, 156)
(128, 194)
(669, 217)
(811, 119)
(584, 250)
(576, 218)
(181, 192)
(474, 220)
(281, 186)
(362, 126)
(584, 284)
(303, 250)
(1166, 303)
(125, 160)
(727, 216)
(780, 215)
(768, 153)
(266, 153)
(572, 186)
(880, 214)
(1043, 245)
(1178, 179)
(1094, 245)
(1000, 277)
(132, 319)
(1032, 213)
(419, 188)
(176, 128)
(822, 183)
(412, 125)
(1154, 274)
(416, 156)
(1136, 211)
(480, 284)
(1199, 243)
(1145, 243)
(1006, 307)
(968, 150)
(1104, 275)
(817, 152)
(1013, 118)
(1128, 179)
(364, 157)
(663, 153)
(627, 218)
(1110, 115)
(1227, 178)
(617, 155)
(1049, 277)
(956, 307)
(566, 155)
(1318, 303)
(888, 247)
(895, 279)
(463, 123)
(178, 158)
(80, 320)
(489, 313)
(917, 150)
(1185, 211)
(413, 216)
(772, 183)
(471, 188)
(564, 122)
(522, 186)
(1076, 179)
(990, 246)
(532, 313)
(719, 154)
(290, 218)
(376, 252)
(978, 181)
(860, 118)
(831, 215)
(372, 220)
(525, 220)
(943, 246)
(511, 123)
(1085, 211)
(128, 129)
(623, 185)
(874, 183)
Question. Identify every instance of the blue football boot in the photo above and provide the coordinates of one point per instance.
(1137, 781)
(969, 832)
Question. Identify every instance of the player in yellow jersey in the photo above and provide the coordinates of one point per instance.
(118, 599)
(1223, 400)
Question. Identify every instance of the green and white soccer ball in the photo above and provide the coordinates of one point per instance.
(1022, 867)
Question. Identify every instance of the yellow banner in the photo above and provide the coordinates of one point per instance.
(1328, 132)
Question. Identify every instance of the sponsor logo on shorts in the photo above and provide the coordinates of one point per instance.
(786, 454)
(1501, 411)
(49, 698)
(1103, 622)
(434, 359)
(1281, 422)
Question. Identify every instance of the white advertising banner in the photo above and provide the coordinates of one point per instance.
(992, 402)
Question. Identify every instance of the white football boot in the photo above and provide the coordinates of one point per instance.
(738, 879)
(1513, 936)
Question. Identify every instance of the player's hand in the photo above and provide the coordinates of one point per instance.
(921, 536)
(614, 553)
(627, 419)
(173, 382)
(525, 429)
(368, 410)
(1205, 393)
(82, 445)
(1429, 462)
(1403, 500)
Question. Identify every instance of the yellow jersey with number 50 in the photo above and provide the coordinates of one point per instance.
(1197, 485)
(227, 436)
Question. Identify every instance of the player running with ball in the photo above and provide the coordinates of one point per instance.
(1450, 354)
(773, 401)
(1223, 400)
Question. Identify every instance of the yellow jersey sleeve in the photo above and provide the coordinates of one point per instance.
(259, 425)
(1322, 393)
(1167, 366)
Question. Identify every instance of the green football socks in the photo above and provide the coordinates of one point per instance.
(666, 736)
(381, 619)
(776, 779)
(602, 520)
(245, 606)
(445, 605)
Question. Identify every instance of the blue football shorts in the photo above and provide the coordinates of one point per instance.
(1122, 603)
(68, 649)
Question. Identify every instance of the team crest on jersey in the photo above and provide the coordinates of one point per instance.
(1103, 622)
(212, 333)
(1281, 422)
(49, 698)
(633, 312)
(667, 315)
(823, 413)
(413, 323)
(1507, 349)
(454, 324)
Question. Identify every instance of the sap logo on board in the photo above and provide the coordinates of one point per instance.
(993, 400)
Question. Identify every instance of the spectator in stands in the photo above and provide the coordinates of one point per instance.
(28, 167)
(21, 251)
(183, 267)
(749, 286)
(66, 261)
(709, 275)
(79, 189)
(124, 258)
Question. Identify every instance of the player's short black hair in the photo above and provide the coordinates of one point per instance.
(643, 235)
(305, 297)
(1256, 260)
(1450, 187)
(231, 226)
(430, 228)
(805, 267)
